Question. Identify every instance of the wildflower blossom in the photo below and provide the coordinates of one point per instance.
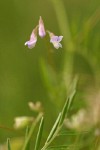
(42, 32)
(37, 107)
(33, 39)
(23, 121)
(78, 120)
(55, 40)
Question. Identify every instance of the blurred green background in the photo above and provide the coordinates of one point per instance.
(21, 79)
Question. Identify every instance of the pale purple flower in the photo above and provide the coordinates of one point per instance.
(33, 39)
(42, 32)
(55, 40)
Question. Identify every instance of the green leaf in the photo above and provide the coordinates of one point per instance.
(31, 131)
(8, 144)
(27, 131)
(67, 106)
(26, 135)
(54, 128)
(39, 134)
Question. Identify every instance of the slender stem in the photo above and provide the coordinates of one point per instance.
(31, 131)
(54, 136)
(49, 53)
(97, 141)
(77, 140)
(8, 144)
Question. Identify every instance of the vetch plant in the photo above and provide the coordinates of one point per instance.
(54, 131)
(40, 29)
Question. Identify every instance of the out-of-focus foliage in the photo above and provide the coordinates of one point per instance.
(36, 75)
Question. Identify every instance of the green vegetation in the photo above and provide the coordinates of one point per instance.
(61, 87)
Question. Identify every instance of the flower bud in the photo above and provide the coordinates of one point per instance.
(42, 32)
(33, 39)
(37, 107)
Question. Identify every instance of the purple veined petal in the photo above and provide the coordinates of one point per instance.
(60, 38)
(56, 39)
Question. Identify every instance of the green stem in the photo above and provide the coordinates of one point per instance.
(31, 131)
(49, 53)
(54, 136)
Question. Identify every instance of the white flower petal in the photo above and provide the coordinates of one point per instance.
(60, 45)
(56, 45)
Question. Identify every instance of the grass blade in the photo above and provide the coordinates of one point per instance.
(58, 124)
(66, 107)
(8, 144)
(39, 134)
(26, 135)
(54, 128)
(31, 131)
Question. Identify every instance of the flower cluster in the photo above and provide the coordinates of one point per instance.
(40, 29)
(23, 121)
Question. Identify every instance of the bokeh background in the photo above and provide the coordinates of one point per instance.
(22, 70)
